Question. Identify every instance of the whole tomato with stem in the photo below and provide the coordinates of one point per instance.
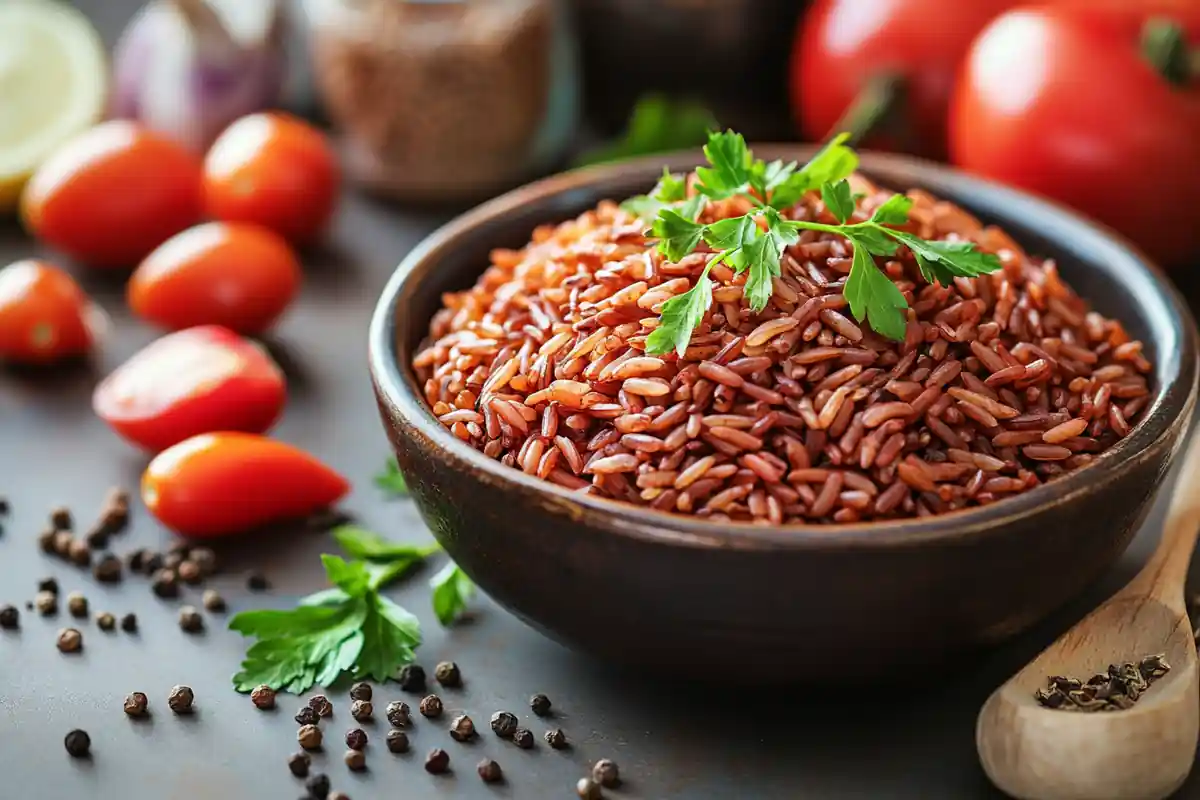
(238, 275)
(112, 194)
(190, 382)
(217, 484)
(44, 316)
(274, 170)
(1095, 105)
(885, 68)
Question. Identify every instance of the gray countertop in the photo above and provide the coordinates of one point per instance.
(915, 739)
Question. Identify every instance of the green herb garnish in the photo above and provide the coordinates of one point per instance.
(394, 557)
(754, 243)
(391, 480)
(452, 590)
(656, 125)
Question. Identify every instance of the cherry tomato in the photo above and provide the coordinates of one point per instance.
(217, 484)
(195, 381)
(1063, 102)
(112, 194)
(274, 170)
(44, 315)
(233, 274)
(843, 46)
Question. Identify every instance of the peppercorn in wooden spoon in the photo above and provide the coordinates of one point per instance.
(1130, 731)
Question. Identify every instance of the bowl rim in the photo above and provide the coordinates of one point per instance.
(1177, 357)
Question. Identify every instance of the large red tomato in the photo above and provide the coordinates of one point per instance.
(843, 46)
(1065, 101)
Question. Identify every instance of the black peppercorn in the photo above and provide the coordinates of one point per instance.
(172, 560)
(213, 601)
(106, 621)
(397, 741)
(398, 713)
(489, 771)
(412, 678)
(362, 710)
(263, 697)
(60, 518)
(190, 620)
(338, 795)
(153, 563)
(70, 640)
(360, 691)
(504, 724)
(48, 585)
(46, 603)
(189, 572)
(298, 764)
(79, 553)
(523, 738)
(320, 704)
(556, 739)
(309, 737)
(10, 617)
(318, 786)
(540, 704)
(437, 762)
(356, 760)
(205, 559)
(62, 543)
(180, 699)
(356, 739)
(431, 706)
(164, 584)
(588, 789)
(78, 743)
(136, 704)
(462, 728)
(136, 560)
(448, 674)
(606, 773)
(46, 539)
(257, 582)
(77, 605)
(129, 623)
(97, 537)
(108, 570)
(306, 716)
(4, 505)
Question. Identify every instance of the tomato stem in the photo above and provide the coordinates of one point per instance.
(875, 107)
(1166, 48)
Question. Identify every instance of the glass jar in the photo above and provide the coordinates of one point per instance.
(446, 100)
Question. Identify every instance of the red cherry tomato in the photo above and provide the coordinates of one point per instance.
(195, 381)
(274, 170)
(1061, 101)
(232, 274)
(842, 46)
(217, 484)
(112, 194)
(44, 315)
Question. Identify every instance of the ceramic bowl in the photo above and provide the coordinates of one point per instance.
(691, 597)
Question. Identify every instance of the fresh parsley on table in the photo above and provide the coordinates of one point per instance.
(656, 125)
(391, 480)
(452, 590)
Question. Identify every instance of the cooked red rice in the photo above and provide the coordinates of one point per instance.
(798, 414)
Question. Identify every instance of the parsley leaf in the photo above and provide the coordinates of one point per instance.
(832, 163)
(656, 125)
(369, 546)
(894, 211)
(669, 189)
(730, 234)
(944, 261)
(391, 480)
(731, 164)
(678, 236)
(838, 200)
(873, 296)
(680, 316)
(452, 590)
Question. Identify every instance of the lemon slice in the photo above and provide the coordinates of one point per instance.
(53, 85)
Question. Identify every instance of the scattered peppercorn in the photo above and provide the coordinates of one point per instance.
(136, 560)
(116, 497)
(588, 789)
(46, 603)
(62, 543)
(356, 760)
(213, 601)
(205, 559)
(60, 518)
(190, 620)
(397, 741)
(70, 640)
(179, 548)
(171, 561)
(356, 739)
(504, 724)
(48, 585)
(523, 738)
(46, 539)
(153, 563)
(10, 617)
(129, 623)
(106, 621)
(108, 570)
(412, 678)
(540, 704)
(79, 553)
(448, 674)
(4, 505)
(78, 743)
(437, 762)
(489, 771)
(362, 710)
(189, 572)
(180, 699)
(263, 697)
(361, 691)
(556, 739)
(320, 704)
(309, 737)
(113, 519)
(164, 584)
(257, 582)
(431, 706)
(306, 716)
(298, 764)
(462, 729)
(77, 604)
(606, 773)
(318, 785)
(97, 537)
(398, 713)
(338, 795)
(136, 704)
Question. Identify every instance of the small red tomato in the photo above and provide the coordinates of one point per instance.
(112, 194)
(44, 315)
(274, 170)
(216, 484)
(220, 273)
(191, 382)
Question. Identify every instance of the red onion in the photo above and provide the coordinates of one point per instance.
(182, 69)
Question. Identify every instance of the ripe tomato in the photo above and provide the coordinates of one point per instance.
(1061, 101)
(233, 274)
(275, 170)
(111, 195)
(44, 315)
(195, 381)
(843, 45)
(217, 484)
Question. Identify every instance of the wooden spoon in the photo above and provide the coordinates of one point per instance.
(1144, 752)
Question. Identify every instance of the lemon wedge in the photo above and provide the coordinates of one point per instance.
(53, 85)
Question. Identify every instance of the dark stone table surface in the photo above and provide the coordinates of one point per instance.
(914, 740)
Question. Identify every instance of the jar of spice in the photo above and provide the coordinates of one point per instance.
(446, 100)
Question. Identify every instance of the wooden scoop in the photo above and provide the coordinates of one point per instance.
(1036, 753)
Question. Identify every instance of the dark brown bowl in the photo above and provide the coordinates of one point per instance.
(695, 597)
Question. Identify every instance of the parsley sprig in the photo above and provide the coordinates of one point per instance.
(754, 242)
